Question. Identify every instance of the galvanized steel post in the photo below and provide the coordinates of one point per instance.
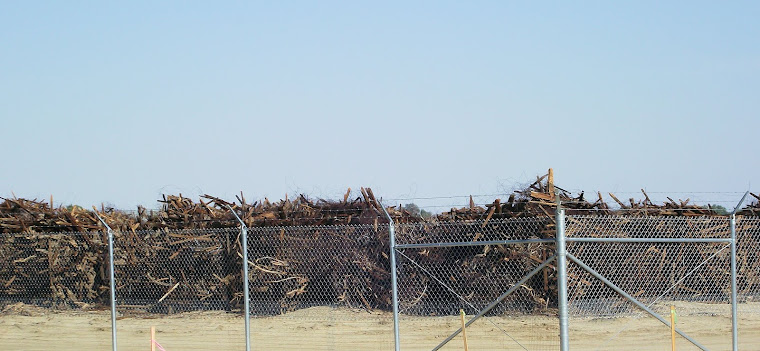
(394, 279)
(246, 295)
(113, 282)
(562, 278)
(734, 327)
(734, 313)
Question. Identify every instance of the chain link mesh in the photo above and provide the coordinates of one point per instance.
(173, 271)
(324, 286)
(692, 276)
(647, 227)
(748, 275)
(162, 274)
(47, 277)
(436, 283)
(475, 230)
(328, 287)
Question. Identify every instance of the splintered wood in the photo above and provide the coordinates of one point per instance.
(305, 252)
(187, 255)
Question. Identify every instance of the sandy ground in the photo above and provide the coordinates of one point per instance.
(29, 328)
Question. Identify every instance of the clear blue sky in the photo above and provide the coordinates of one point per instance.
(119, 103)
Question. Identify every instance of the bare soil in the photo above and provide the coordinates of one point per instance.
(23, 327)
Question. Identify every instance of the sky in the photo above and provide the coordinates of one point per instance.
(423, 101)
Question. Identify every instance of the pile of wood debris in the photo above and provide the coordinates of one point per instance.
(540, 199)
(186, 255)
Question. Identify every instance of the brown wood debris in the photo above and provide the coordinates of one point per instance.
(301, 251)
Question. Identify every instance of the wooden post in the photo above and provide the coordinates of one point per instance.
(550, 182)
(673, 328)
(152, 338)
(464, 329)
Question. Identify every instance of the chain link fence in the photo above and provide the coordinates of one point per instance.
(164, 274)
(497, 273)
(47, 278)
(320, 287)
(329, 287)
(748, 275)
(626, 272)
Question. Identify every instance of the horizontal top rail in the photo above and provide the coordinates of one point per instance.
(655, 227)
(474, 243)
(651, 240)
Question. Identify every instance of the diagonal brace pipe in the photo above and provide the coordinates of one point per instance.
(636, 302)
(498, 300)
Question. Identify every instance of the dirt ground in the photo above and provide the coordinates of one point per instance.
(24, 327)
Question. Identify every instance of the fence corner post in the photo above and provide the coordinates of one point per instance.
(562, 278)
(394, 278)
(246, 294)
(734, 312)
(113, 281)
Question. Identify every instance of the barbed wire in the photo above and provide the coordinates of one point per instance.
(326, 209)
(358, 210)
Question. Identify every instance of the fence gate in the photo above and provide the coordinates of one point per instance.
(628, 275)
(499, 273)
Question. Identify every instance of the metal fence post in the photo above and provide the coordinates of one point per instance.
(113, 282)
(734, 328)
(246, 295)
(394, 278)
(562, 278)
(734, 316)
